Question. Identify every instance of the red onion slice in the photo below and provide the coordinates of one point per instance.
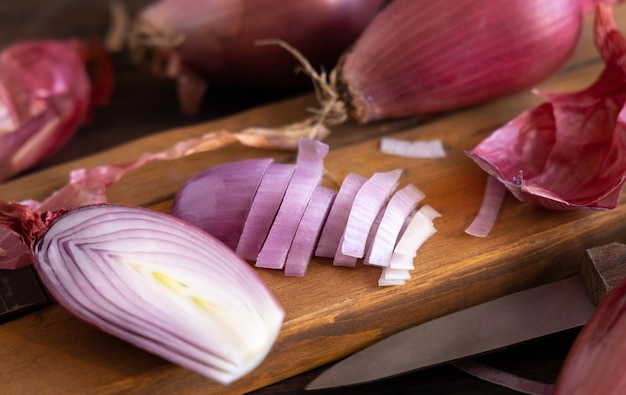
(489, 208)
(402, 261)
(309, 228)
(421, 149)
(383, 282)
(420, 228)
(157, 282)
(338, 216)
(367, 203)
(307, 176)
(390, 273)
(263, 210)
(202, 199)
(400, 207)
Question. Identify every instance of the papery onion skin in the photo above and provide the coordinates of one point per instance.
(420, 57)
(570, 151)
(218, 36)
(47, 90)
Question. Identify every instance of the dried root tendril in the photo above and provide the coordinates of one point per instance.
(147, 44)
(333, 108)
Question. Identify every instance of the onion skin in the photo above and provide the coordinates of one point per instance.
(420, 56)
(570, 151)
(47, 90)
(596, 362)
(218, 36)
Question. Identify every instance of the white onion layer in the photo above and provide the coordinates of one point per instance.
(419, 149)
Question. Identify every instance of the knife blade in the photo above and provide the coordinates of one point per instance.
(487, 327)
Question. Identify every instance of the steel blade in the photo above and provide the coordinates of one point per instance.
(487, 327)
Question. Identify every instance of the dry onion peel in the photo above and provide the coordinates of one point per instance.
(47, 90)
(155, 281)
(570, 151)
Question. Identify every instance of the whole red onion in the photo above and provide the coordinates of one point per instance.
(216, 39)
(420, 56)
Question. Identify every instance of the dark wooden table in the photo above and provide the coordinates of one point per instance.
(143, 104)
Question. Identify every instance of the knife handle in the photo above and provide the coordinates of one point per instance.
(602, 268)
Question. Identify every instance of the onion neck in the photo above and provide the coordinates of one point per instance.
(27, 223)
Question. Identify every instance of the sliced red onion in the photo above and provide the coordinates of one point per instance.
(369, 200)
(402, 261)
(400, 207)
(218, 199)
(307, 176)
(385, 282)
(420, 228)
(390, 273)
(341, 259)
(309, 228)
(412, 149)
(338, 216)
(263, 210)
(155, 281)
(489, 208)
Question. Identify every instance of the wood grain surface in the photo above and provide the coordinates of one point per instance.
(331, 312)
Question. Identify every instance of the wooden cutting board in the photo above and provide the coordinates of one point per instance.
(331, 312)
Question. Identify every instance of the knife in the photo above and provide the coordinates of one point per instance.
(490, 326)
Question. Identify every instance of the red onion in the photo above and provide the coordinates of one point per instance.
(263, 209)
(596, 361)
(47, 90)
(569, 152)
(400, 207)
(155, 281)
(420, 57)
(412, 149)
(224, 216)
(338, 216)
(371, 198)
(309, 228)
(216, 38)
(292, 217)
(307, 176)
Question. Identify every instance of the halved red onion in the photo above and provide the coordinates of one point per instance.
(264, 207)
(338, 216)
(307, 176)
(370, 199)
(155, 281)
(400, 207)
(309, 228)
(218, 199)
